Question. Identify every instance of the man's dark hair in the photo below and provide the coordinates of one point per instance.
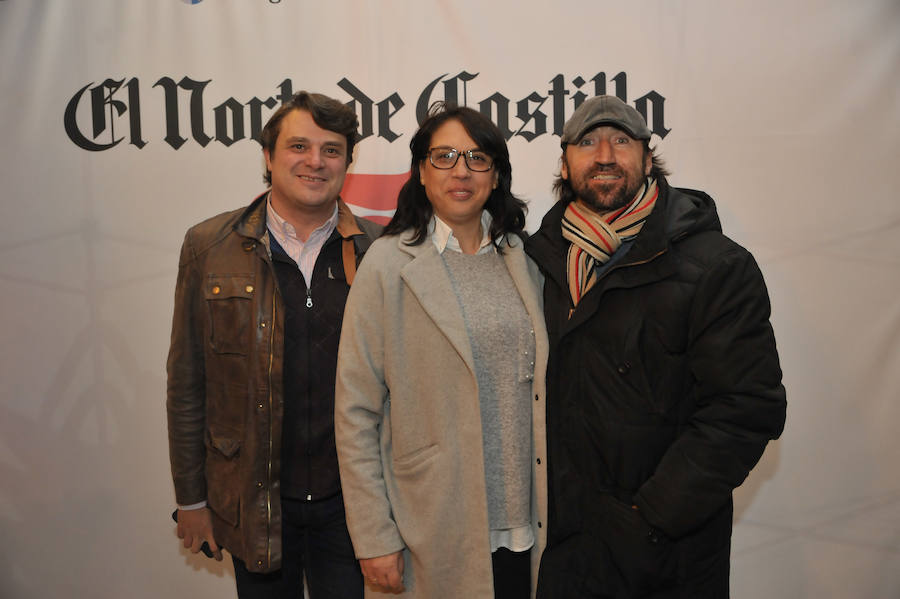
(414, 211)
(326, 112)
(563, 188)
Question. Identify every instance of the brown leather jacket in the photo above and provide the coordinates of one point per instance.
(225, 393)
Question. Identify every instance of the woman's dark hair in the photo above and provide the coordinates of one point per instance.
(414, 211)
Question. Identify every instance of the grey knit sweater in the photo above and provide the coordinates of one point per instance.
(502, 342)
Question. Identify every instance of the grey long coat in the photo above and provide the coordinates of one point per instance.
(408, 423)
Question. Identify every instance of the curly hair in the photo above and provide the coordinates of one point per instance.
(327, 113)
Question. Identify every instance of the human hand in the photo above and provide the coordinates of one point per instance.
(384, 572)
(195, 527)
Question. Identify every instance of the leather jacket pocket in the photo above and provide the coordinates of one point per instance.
(222, 476)
(229, 300)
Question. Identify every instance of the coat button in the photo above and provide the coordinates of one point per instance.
(216, 289)
(249, 288)
(624, 367)
(259, 484)
(539, 460)
(248, 246)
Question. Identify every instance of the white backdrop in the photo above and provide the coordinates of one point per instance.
(786, 112)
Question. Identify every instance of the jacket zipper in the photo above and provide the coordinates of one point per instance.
(271, 436)
(650, 259)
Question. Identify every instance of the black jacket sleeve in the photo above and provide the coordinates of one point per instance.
(739, 397)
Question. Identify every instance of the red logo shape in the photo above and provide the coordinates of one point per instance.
(374, 196)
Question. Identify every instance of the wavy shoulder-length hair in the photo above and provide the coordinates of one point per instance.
(414, 211)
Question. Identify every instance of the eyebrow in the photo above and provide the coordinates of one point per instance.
(616, 132)
(335, 143)
(475, 149)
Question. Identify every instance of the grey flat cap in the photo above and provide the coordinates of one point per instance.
(604, 110)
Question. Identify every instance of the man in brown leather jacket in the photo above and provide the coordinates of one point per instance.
(258, 309)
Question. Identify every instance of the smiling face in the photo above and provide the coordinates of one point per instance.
(606, 167)
(458, 194)
(308, 166)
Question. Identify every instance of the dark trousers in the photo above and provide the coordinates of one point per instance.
(512, 574)
(315, 543)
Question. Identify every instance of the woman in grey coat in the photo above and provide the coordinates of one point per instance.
(439, 408)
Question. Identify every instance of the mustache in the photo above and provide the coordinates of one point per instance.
(606, 169)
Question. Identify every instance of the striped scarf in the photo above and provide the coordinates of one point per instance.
(595, 237)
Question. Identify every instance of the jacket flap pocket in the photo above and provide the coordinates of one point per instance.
(227, 446)
(223, 286)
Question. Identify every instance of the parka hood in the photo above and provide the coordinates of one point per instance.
(689, 211)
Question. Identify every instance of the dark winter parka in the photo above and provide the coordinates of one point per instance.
(663, 389)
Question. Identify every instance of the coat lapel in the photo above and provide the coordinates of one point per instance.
(427, 279)
(528, 282)
(517, 265)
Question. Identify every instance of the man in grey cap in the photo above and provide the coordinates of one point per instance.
(663, 385)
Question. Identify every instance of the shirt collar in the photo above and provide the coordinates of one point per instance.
(285, 230)
(442, 235)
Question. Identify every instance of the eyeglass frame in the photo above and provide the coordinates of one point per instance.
(466, 154)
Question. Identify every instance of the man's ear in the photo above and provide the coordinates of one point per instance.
(563, 166)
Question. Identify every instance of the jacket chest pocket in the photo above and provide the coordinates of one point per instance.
(229, 302)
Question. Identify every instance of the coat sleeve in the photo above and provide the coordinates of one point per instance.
(740, 401)
(186, 387)
(361, 409)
